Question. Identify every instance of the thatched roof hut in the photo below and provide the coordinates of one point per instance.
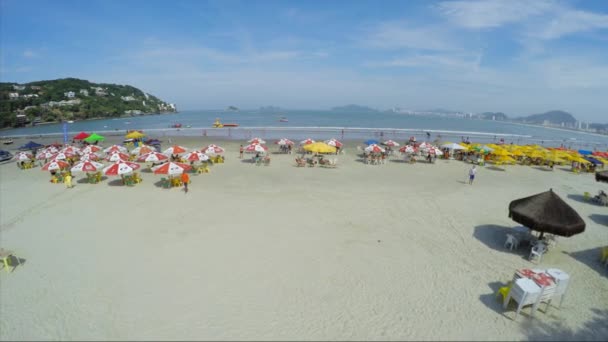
(547, 213)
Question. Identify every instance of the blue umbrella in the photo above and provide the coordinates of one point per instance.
(585, 152)
(371, 142)
(30, 146)
(594, 161)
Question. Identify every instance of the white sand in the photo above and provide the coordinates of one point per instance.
(389, 252)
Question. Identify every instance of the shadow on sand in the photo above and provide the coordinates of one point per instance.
(494, 236)
(599, 219)
(591, 258)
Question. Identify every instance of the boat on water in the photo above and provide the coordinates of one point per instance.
(219, 124)
(176, 125)
(70, 121)
(283, 119)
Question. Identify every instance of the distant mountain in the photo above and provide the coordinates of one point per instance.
(498, 116)
(353, 108)
(73, 99)
(233, 108)
(556, 117)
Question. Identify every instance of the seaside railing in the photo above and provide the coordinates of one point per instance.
(343, 133)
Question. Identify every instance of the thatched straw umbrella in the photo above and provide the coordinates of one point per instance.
(547, 213)
(602, 176)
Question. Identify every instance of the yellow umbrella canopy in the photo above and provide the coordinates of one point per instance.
(499, 152)
(320, 147)
(134, 135)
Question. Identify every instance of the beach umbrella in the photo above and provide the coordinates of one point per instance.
(307, 141)
(59, 156)
(94, 138)
(407, 149)
(171, 169)
(333, 142)
(152, 157)
(371, 142)
(87, 166)
(135, 135)
(453, 146)
(23, 156)
(320, 147)
(55, 165)
(117, 156)
(90, 149)
(256, 141)
(390, 143)
(546, 212)
(602, 176)
(116, 148)
(253, 148)
(89, 156)
(31, 146)
(120, 167)
(143, 149)
(175, 149)
(424, 145)
(593, 161)
(212, 149)
(284, 141)
(45, 155)
(374, 148)
(81, 135)
(70, 150)
(196, 156)
(585, 152)
(434, 150)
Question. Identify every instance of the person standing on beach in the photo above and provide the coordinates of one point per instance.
(67, 180)
(472, 173)
(185, 180)
(241, 152)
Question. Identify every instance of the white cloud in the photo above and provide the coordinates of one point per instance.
(446, 60)
(394, 35)
(568, 21)
(476, 14)
(29, 53)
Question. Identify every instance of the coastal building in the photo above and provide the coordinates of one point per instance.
(127, 98)
(13, 95)
(63, 103)
(172, 106)
(143, 103)
(18, 87)
(99, 91)
(36, 87)
(69, 94)
(29, 96)
(84, 92)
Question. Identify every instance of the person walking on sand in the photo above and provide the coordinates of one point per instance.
(472, 173)
(241, 152)
(185, 180)
(67, 180)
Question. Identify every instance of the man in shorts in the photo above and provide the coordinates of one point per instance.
(472, 173)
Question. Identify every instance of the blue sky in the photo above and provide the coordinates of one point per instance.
(519, 57)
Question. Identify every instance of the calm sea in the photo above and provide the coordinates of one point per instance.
(325, 125)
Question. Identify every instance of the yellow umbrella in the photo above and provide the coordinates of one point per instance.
(499, 152)
(320, 147)
(135, 135)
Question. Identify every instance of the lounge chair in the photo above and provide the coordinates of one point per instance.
(300, 162)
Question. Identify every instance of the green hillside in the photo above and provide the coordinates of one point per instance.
(50, 101)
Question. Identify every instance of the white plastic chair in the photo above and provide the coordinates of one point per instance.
(537, 251)
(524, 292)
(511, 242)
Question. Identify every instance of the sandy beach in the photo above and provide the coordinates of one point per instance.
(359, 252)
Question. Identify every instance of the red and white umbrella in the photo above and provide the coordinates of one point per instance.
(89, 156)
(374, 148)
(45, 155)
(212, 149)
(171, 169)
(196, 156)
(256, 141)
(90, 149)
(434, 150)
(55, 165)
(143, 149)
(22, 156)
(152, 157)
(115, 148)
(252, 148)
(175, 149)
(333, 142)
(284, 141)
(121, 167)
(51, 149)
(307, 141)
(70, 150)
(87, 166)
(424, 145)
(60, 156)
(116, 156)
(391, 143)
(407, 149)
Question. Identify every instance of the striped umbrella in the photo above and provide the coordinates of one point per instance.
(86, 166)
(256, 141)
(22, 156)
(70, 150)
(284, 141)
(143, 149)
(55, 165)
(307, 141)
(253, 148)
(59, 156)
(391, 143)
(120, 167)
(152, 157)
(374, 148)
(89, 156)
(196, 156)
(45, 155)
(90, 149)
(333, 142)
(117, 156)
(115, 148)
(407, 149)
(175, 149)
(171, 169)
(212, 149)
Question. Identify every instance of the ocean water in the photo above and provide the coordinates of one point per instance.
(324, 125)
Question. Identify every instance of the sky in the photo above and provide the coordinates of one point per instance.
(516, 56)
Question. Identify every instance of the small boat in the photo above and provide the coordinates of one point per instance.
(176, 125)
(7, 141)
(283, 119)
(70, 121)
(218, 124)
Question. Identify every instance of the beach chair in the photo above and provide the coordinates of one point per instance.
(503, 292)
(604, 255)
(165, 183)
(511, 242)
(587, 196)
(7, 257)
(300, 162)
(525, 292)
(537, 251)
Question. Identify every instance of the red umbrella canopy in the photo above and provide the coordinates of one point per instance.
(333, 142)
(284, 141)
(45, 155)
(81, 135)
(21, 156)
(90, 149)
(117, 156)
(152, 157)
(89, 156)
(115, 148)
(86, 166)
(175, 149)
(408, 149)
(251, 148)
(59, 156)
(171, 168)
(121, 167)
(196, 156)
(256, 141)
(55, 165)
(213, 149)
(307, 141)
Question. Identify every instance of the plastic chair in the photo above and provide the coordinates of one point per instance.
(5, 257)
(604, 256)
(511, 242)
(587, 196)
(524, 292)
(537, 251)
(504, 291)
(164, 183)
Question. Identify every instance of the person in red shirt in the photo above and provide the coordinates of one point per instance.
(185, 180)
